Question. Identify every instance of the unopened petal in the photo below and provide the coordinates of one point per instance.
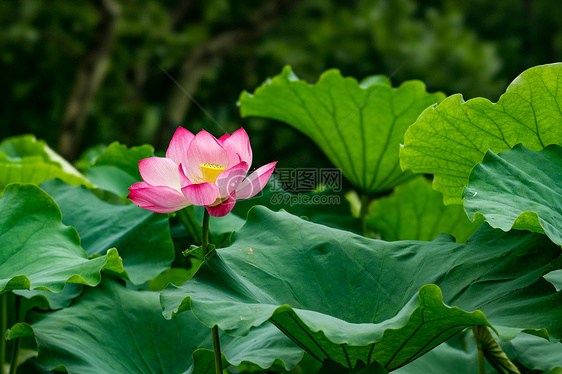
(238, 147)
(159, 171)
(201, 194)
(255, 182)
(223, 208)
(177, 150)
(159, 199)
(229, 180)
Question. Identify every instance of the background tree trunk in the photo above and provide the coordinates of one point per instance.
(205, 56)
(90, 73)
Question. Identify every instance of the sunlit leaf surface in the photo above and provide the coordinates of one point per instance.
(450, 139)
(358, 127)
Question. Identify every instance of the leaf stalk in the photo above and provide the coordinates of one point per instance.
(16, 348)
(364, 212)
(489, 349)
(3, 328)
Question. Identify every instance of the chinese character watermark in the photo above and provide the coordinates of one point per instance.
(297, 180)
(299, 186)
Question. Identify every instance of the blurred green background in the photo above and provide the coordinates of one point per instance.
(80, 73)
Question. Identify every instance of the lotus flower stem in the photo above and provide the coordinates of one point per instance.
(15, 354)
(205, 233)
(215, 328)
(16, 349)
(217, 349)
(364, 212)
(3, 327)
(481, 360)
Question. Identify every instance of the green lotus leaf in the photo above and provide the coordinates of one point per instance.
(518, 189)
(444, 359)
(24, 159)
(123, 158)
(331, 367)
(176, 276)
(142, 237)
(27, 145)
(416, 212)
(358, 127)
(48, 300)
(113, 330)
(37, 252)
(117, 167)
(555, 278)
(535, 353)
(348, 298)
(89, 155)
(448, 140)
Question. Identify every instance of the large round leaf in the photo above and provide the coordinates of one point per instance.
(37, 251)
(448, 140)
(518, 189)
(27, 145)
(141, 237)
(24, 159)
(347, 298)
(416, 212)
(113, 330)
(359, 127)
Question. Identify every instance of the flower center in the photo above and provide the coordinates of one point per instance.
(210, 171)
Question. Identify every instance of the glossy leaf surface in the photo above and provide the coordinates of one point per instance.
(94, 336)
(37, 251)
(348, 298)
(142, 237)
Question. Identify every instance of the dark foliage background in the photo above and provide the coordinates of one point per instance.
(80, 73)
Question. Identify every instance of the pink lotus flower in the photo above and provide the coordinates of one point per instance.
(200, 170)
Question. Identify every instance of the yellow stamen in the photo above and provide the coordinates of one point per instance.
(211, 171)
